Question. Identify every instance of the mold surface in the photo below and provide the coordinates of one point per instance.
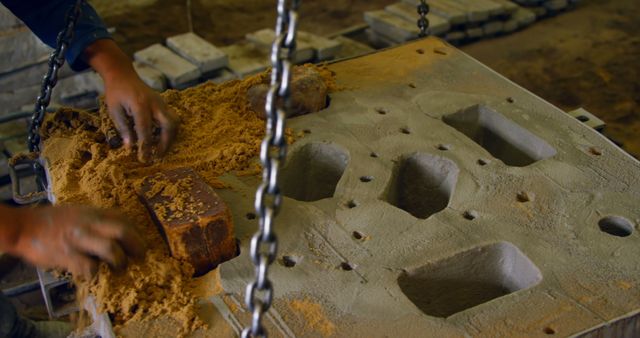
(313, 171)
(468, 279)
(422, 184)
(501, 137)
(428, 231)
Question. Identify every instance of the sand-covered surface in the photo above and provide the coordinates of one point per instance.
(219, 134)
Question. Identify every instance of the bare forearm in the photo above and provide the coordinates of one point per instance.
(10, 224)
(106, 58)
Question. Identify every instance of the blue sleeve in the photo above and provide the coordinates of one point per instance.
(46, 18)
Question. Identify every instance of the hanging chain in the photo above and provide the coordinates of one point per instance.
(56, 61)
(423, 22)
(264, 244)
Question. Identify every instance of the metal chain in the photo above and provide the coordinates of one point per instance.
(56, 61)
(264, 244)
(423, 22)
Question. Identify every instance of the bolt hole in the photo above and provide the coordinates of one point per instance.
(444, 147)
(250, 216)
(582, 118)
(346, 266)
(524, 197)
(307, 131)
(595, 151)
(366, 179)
(352, 204)
(483, 162)
(381, 111)
(374, 155)
(616, 226)
(411, 85)
(358, 235)
(549, 331)
(420, 51)
(289, 261)
(470, 215)
(440, 51)
(511, 100)
(405, 131)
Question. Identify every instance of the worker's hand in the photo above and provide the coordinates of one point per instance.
(127, 95)
(75, 239)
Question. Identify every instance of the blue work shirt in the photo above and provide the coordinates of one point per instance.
(46, 18)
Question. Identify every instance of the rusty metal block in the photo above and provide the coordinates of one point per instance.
(192, 218)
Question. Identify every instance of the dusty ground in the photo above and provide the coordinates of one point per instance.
(584, 58)
(223, 22)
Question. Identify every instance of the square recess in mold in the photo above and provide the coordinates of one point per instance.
(468, 279)
(422, 184)
(313, 171)
(503, 138)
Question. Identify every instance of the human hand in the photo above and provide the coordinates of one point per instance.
(75, 239)
(128, 96)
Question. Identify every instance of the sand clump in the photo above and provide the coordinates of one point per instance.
(219, 133)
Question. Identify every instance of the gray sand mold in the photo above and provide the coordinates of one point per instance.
(405, 212)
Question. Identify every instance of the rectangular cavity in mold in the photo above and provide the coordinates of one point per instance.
(501, 137)
(313, 170)
(422, 184)
(468, 279)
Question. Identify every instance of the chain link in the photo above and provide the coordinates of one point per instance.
(423, 22)
(56, 61)
(264, 244)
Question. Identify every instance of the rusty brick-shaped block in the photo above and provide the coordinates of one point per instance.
(193, 219)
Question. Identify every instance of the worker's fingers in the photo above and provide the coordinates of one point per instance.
(168, 122)
(117, 114)
(124, 234)
(84, 240)
(143, 124)
(82, 265)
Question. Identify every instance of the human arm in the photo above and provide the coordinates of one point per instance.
(72, 238)
(92, 46)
